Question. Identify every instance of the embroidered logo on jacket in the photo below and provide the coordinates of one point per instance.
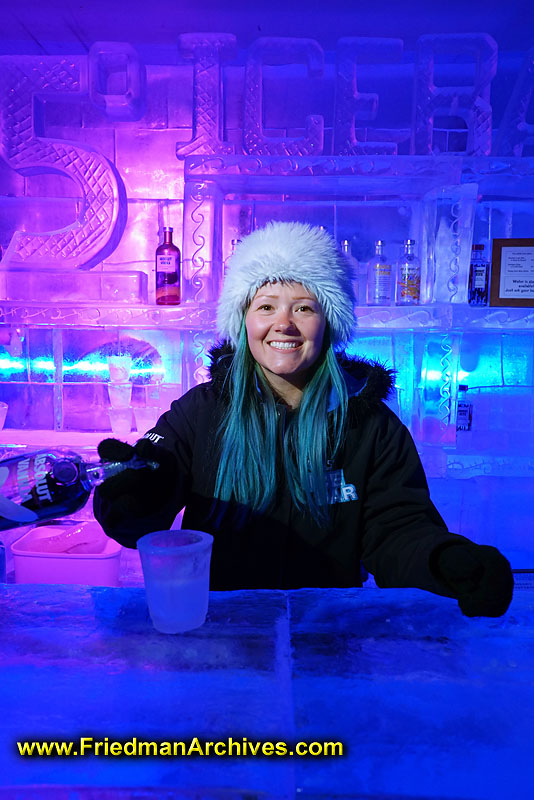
(338, 490)
(153, 437)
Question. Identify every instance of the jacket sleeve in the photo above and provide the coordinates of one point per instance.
(402, 527)
(175, 430)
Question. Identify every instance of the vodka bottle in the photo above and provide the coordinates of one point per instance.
(464, 416)
(167, 271)
(408, 276)
(233, 245)
(379, 278)
(478, 277)
(353, 262)
(48, 484)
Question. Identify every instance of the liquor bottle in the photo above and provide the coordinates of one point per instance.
(167, 271)
(408, 276)
(464, 416)
(478, 277)
(233, 245)
(345, 249)
(379, 278)
(48, 484)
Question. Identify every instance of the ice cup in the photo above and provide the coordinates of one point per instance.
(119, 368)
(3, 414)
(120, 394)
(120, 420)
(176, 569)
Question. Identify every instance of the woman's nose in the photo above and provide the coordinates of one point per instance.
(285, 321)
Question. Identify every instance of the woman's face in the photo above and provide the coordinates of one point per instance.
(285, 329)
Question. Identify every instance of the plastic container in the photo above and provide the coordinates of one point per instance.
(95, 563)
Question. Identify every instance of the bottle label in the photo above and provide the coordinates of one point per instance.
(480, 276)
(40, 471)
(381, 282)
(409, 281)
(26, 483)
(464, 416)
(166, 263)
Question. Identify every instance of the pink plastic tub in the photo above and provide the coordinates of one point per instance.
(93, 562)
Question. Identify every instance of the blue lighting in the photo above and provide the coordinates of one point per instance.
(9, 365)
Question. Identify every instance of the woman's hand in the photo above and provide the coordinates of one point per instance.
(479, 575)
(139, 491)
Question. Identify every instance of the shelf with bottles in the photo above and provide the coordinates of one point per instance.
(444, 206)
(186, 316)
(356, 198)
(442, 376)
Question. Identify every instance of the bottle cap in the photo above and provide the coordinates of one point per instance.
(477, 247)
(168, 229)
(65, 472)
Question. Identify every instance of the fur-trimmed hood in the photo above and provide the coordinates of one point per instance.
(370, 381)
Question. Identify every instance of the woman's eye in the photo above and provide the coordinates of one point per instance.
(305, 308)
(264, 306)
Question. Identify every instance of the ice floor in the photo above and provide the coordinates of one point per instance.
(427, 703)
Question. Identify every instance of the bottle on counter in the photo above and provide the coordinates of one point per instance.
(347, 253)
(167, 271)
(379, 276)
(477, 293)
(408, 290)
(49, 484)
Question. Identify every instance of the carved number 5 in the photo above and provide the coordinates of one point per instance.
(102, 217)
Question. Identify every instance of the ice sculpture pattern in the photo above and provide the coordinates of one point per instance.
(97, 231)
(471, 103)
(352, 105)
(515, 132)
(207, 51)
(109, 63)
(278, 51)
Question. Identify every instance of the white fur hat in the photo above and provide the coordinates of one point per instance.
(289, 251)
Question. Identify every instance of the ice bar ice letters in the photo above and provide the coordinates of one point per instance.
(98, 229)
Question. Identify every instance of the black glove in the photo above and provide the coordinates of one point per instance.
(479, 575)
(138, 491)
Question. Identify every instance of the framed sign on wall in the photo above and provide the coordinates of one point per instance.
(512, 272)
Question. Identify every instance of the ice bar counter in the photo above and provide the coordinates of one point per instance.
(426, 703)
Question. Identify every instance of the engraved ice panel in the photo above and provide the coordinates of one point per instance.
(101, 218)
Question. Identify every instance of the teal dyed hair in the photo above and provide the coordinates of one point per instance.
(247, 471)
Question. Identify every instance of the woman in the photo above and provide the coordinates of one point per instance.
(289, 456)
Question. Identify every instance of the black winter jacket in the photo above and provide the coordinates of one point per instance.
(381, 512)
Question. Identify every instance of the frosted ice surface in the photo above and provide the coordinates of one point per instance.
(279, 51)
(428, 703)
(469, 102)
(207, 51)
(117, 80)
